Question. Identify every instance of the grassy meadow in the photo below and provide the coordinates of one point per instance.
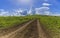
(50, 23)
(6, 22)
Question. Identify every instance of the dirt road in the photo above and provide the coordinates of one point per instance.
(32, 29)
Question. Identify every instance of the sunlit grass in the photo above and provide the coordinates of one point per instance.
(52, 25)
(9, 21)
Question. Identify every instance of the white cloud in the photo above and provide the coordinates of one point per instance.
(55, 15)
(43, 10)
(3, 12)
(18, 12)
(46, 4)
(30, 12)
(12, 13)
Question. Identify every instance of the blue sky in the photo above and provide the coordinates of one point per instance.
(16, 4)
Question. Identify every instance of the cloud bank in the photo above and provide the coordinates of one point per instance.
(17, 12)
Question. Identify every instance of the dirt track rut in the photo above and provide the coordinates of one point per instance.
(32, 29)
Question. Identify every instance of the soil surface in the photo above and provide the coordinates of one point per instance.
(30, 29)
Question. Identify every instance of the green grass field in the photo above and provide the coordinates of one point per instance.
(6, 22)
(50, 23)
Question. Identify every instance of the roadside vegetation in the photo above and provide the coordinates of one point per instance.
(51, 24)
(9, 21)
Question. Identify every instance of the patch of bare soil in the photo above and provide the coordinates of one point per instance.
(29, 32)
(7, 35)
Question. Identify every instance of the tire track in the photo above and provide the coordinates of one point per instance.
(32, 29)
(41, 32)
(10, 35)
(29, 32)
